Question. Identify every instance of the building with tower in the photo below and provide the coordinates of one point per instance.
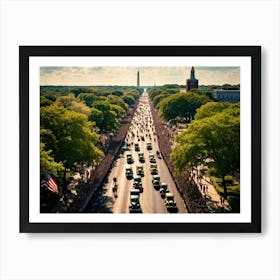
(192, 82)
(138, 79)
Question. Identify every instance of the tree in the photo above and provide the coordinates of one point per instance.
(154, 92)
(171, 86)
(97, 117)
(45, 101)
(211, 108)
(117, 109)
(87, 98)
(116, 92)
(226, 86)
(158, 93)
(205, 92)
(215, 136)
(49, 94)
(107, 122)
(79, 90)
(173, 106)
(128, 99)
(72, 103)
(181, 105)
(47, 163)
(134, 92)
(112, 99)
(158, 98)
(69, 135)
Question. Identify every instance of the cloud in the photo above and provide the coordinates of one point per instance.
(47, 70)
(123, 75)
(214, 68)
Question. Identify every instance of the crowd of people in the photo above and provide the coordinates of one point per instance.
(132, 130)
(195, 202)
(89, 182)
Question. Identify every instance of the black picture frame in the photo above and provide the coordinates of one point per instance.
(254, 52)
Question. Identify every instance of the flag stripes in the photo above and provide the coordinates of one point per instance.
(50, 183)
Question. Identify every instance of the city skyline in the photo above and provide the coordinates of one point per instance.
(127, 76)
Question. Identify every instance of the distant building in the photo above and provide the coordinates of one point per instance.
(192, 82)
(138, 79)
(231, 96)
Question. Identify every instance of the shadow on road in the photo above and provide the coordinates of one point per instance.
(101, 203)
(214, 205)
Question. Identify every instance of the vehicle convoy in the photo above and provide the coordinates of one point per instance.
(129, 159)
(139, 170)
(129, 172)
(170, 203)
(163, 189)
(139, 165)
(156, 182)
(115, 190)
(141, 157)
(136, 147)
(149, 146)
(137, 183)
(158, 154)
(134, 206)
(152, 158)
(153, 169)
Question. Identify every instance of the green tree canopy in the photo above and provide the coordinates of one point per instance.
(72, 103)
(69, 135)
(215, 136)
(48, 94)
(128, 99)
(134, 92)
(45, 101)
(181, 105)
(112, 99)
(205, 92)
(116, 92)
(97, 117)
(117, 109)
(153, 92)
(88, 98)
(215, 107)
(103, 115)
(159, 98)
(77, 90)
(47, 163)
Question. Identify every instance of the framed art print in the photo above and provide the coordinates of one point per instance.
(140, 138)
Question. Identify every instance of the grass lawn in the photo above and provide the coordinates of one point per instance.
(232, 190)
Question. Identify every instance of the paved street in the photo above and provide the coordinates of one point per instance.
(140, 132)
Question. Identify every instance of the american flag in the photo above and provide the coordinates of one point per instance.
(50, 183)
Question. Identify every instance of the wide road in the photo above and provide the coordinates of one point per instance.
(104, 199)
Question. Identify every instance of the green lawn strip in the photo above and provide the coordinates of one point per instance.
(233, 193)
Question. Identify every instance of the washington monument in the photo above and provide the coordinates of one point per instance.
(138, 79)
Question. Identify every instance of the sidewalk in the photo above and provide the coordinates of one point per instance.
(193, 198)
(81, 189)
(215, 202)
(73, 189)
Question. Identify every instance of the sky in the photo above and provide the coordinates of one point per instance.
(90, 76)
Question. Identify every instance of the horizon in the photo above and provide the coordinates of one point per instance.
(127, 76)
(180, 85)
